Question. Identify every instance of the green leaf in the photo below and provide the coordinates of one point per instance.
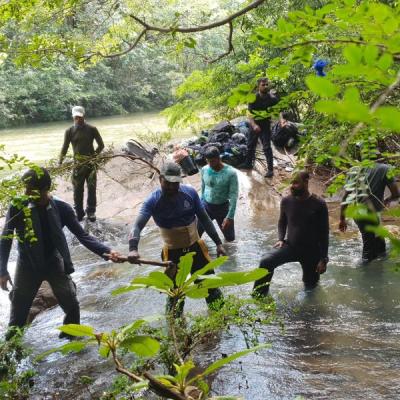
(389, 117)
(75, 347)
(321, 86)
(212, 265)
(183, 371)
(371, 54)
(155, 279)
(353, 54)
(196, 293)
(104, 351)
(220, 363)
(232, 278)
(184, 268)
(143, 346)
(125, 289)
(134, 326)
(385, 62)
(77, 330)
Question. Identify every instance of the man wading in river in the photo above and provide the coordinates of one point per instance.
(261, 126)
(303, 221)
(219, 192)
(174, 209)
(82, 136)
(376, 180)
(47, 258)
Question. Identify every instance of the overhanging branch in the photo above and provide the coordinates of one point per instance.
(177, 29)
(230, 45)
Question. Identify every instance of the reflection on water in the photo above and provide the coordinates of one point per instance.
(340, 340)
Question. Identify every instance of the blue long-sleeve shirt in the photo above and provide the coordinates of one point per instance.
(172, 212)
(218, 187)
(15, 223)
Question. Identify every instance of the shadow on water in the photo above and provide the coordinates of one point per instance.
(340, 341)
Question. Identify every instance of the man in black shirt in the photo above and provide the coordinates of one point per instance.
(261, 125)
(47, 258)
(304, 223)
(376, 180)
(82, 135)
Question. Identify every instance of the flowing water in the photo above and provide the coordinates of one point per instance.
(39, 142)
(340, 341)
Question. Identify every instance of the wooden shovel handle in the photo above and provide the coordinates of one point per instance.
(164, 264)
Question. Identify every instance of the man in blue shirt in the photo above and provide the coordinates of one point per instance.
(219, 192)
(47, 258)
(175, 209)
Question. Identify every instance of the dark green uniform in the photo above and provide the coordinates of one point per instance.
(82, 137)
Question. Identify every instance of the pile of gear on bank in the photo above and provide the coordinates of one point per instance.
(231, 139)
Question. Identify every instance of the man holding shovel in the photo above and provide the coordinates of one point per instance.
(175, 209)
(46, 257)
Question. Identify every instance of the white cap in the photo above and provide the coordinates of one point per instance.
(78, 111)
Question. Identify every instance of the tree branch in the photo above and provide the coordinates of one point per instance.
(230, 45)
(172, 29)
(199, 28)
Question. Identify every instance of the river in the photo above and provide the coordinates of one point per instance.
(341, 340)
(39, 142)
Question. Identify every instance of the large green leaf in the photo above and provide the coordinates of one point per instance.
(220, 363)
(70, 347)
(353, 54)
(197, 293)
(157, 279)
(184, 268)
(321, 86)
(77, 330)
(232, 278)
(389, 117)
(212, 265)
(371, 54)
(125, 289)
(143, 346)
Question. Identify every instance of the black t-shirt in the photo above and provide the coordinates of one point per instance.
(48, 245)
(262, 103)
(306, 223)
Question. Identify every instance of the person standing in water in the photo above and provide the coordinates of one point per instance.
(219, 192)
(261, 125)
(303, 236)
(82, 135)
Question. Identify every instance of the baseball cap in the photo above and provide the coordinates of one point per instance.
(78, 111)
(171, 172)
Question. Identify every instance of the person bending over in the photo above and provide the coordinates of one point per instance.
(175, 209)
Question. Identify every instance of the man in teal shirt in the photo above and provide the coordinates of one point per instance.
(219, 193)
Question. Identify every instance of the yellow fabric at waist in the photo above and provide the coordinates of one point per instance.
(180, 237)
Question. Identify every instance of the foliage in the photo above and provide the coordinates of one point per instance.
(15, 382)
(195, 285)
(175, 345)
(110, 87)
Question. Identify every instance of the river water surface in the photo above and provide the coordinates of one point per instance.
(341, 340)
